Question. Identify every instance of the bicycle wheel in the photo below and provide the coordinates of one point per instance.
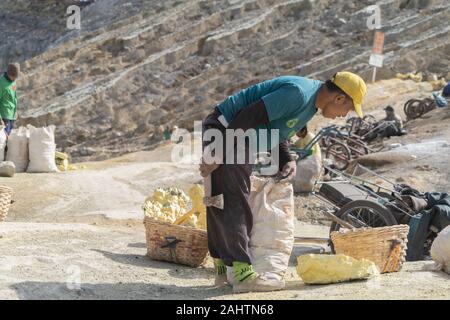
(406, 105)
(357, 148)
(364, 213)
(415, 109)
(428, 104)
(340, 154)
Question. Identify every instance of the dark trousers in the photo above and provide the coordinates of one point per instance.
(229, 229)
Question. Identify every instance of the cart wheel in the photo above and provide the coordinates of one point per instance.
(428, 104)
(369, 119)
(340, 154)
(406, 105)
(353, 124)
(364, 213)
(414, 109)
(357, 148)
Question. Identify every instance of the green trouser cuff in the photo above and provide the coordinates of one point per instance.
(243, 271)
(220, 267)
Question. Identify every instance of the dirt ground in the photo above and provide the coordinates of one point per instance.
(79, 234)
(78, 261)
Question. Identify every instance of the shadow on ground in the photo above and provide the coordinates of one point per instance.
(31, 290)
(174, 270)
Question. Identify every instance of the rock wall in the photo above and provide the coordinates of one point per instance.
(136, 65)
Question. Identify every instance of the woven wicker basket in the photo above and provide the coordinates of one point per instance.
(385, 246)
(174, 243)
(6, 194)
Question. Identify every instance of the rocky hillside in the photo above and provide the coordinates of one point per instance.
(139, 64)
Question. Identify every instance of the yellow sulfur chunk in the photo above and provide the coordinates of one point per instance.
(62, 165)
(323, 269)
(196, 193)
(166, 204)
(192, 221)
(61, 155)
(416, 77)
(171, 205)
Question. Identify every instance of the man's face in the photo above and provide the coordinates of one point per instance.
(12, 77)
(339, 106)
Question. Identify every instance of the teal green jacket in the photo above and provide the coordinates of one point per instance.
(8, 98)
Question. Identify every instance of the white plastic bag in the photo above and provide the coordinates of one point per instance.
(42, 149)
(308, 171)
(440, 250)
(18, 148)
(2, 143)
(272, 236)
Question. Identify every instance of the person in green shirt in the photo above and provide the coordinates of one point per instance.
(285, 104)
(8, 97)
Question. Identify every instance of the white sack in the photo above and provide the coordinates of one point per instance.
(2, 143)
(18, 149)
(308, 171)
(42, 149)
(440, 250)
(272, 236)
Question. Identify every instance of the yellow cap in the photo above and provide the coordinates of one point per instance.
(354, 86)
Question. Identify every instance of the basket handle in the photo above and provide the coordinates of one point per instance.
(170, 242)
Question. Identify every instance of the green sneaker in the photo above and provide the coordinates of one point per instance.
(221, 273)
(243, 271)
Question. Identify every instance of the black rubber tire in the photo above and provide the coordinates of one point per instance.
(387, 217)
(344, 148)
(406, 105)
(428, 104)
(415, 109)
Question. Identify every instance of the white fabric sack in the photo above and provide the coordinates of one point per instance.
(440, 250)
(42, 149)
(308, 171)
(18, 148)
(272, 236)
(7, 169)
(2, 143)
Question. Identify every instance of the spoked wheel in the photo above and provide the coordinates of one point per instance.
(406, 105)
(428, 104)
(340, 154)
(365, 125)
(357, 148)
(370, 119)
(353, 124)
(364, 213)
(414, 109)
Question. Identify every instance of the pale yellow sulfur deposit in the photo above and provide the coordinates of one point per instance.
(323, 269)
(416, 77)
(170, 204)
(62, 161)
(196, 193)
(166, 204)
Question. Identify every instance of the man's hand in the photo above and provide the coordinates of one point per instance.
(206, 169)
(289, 171)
